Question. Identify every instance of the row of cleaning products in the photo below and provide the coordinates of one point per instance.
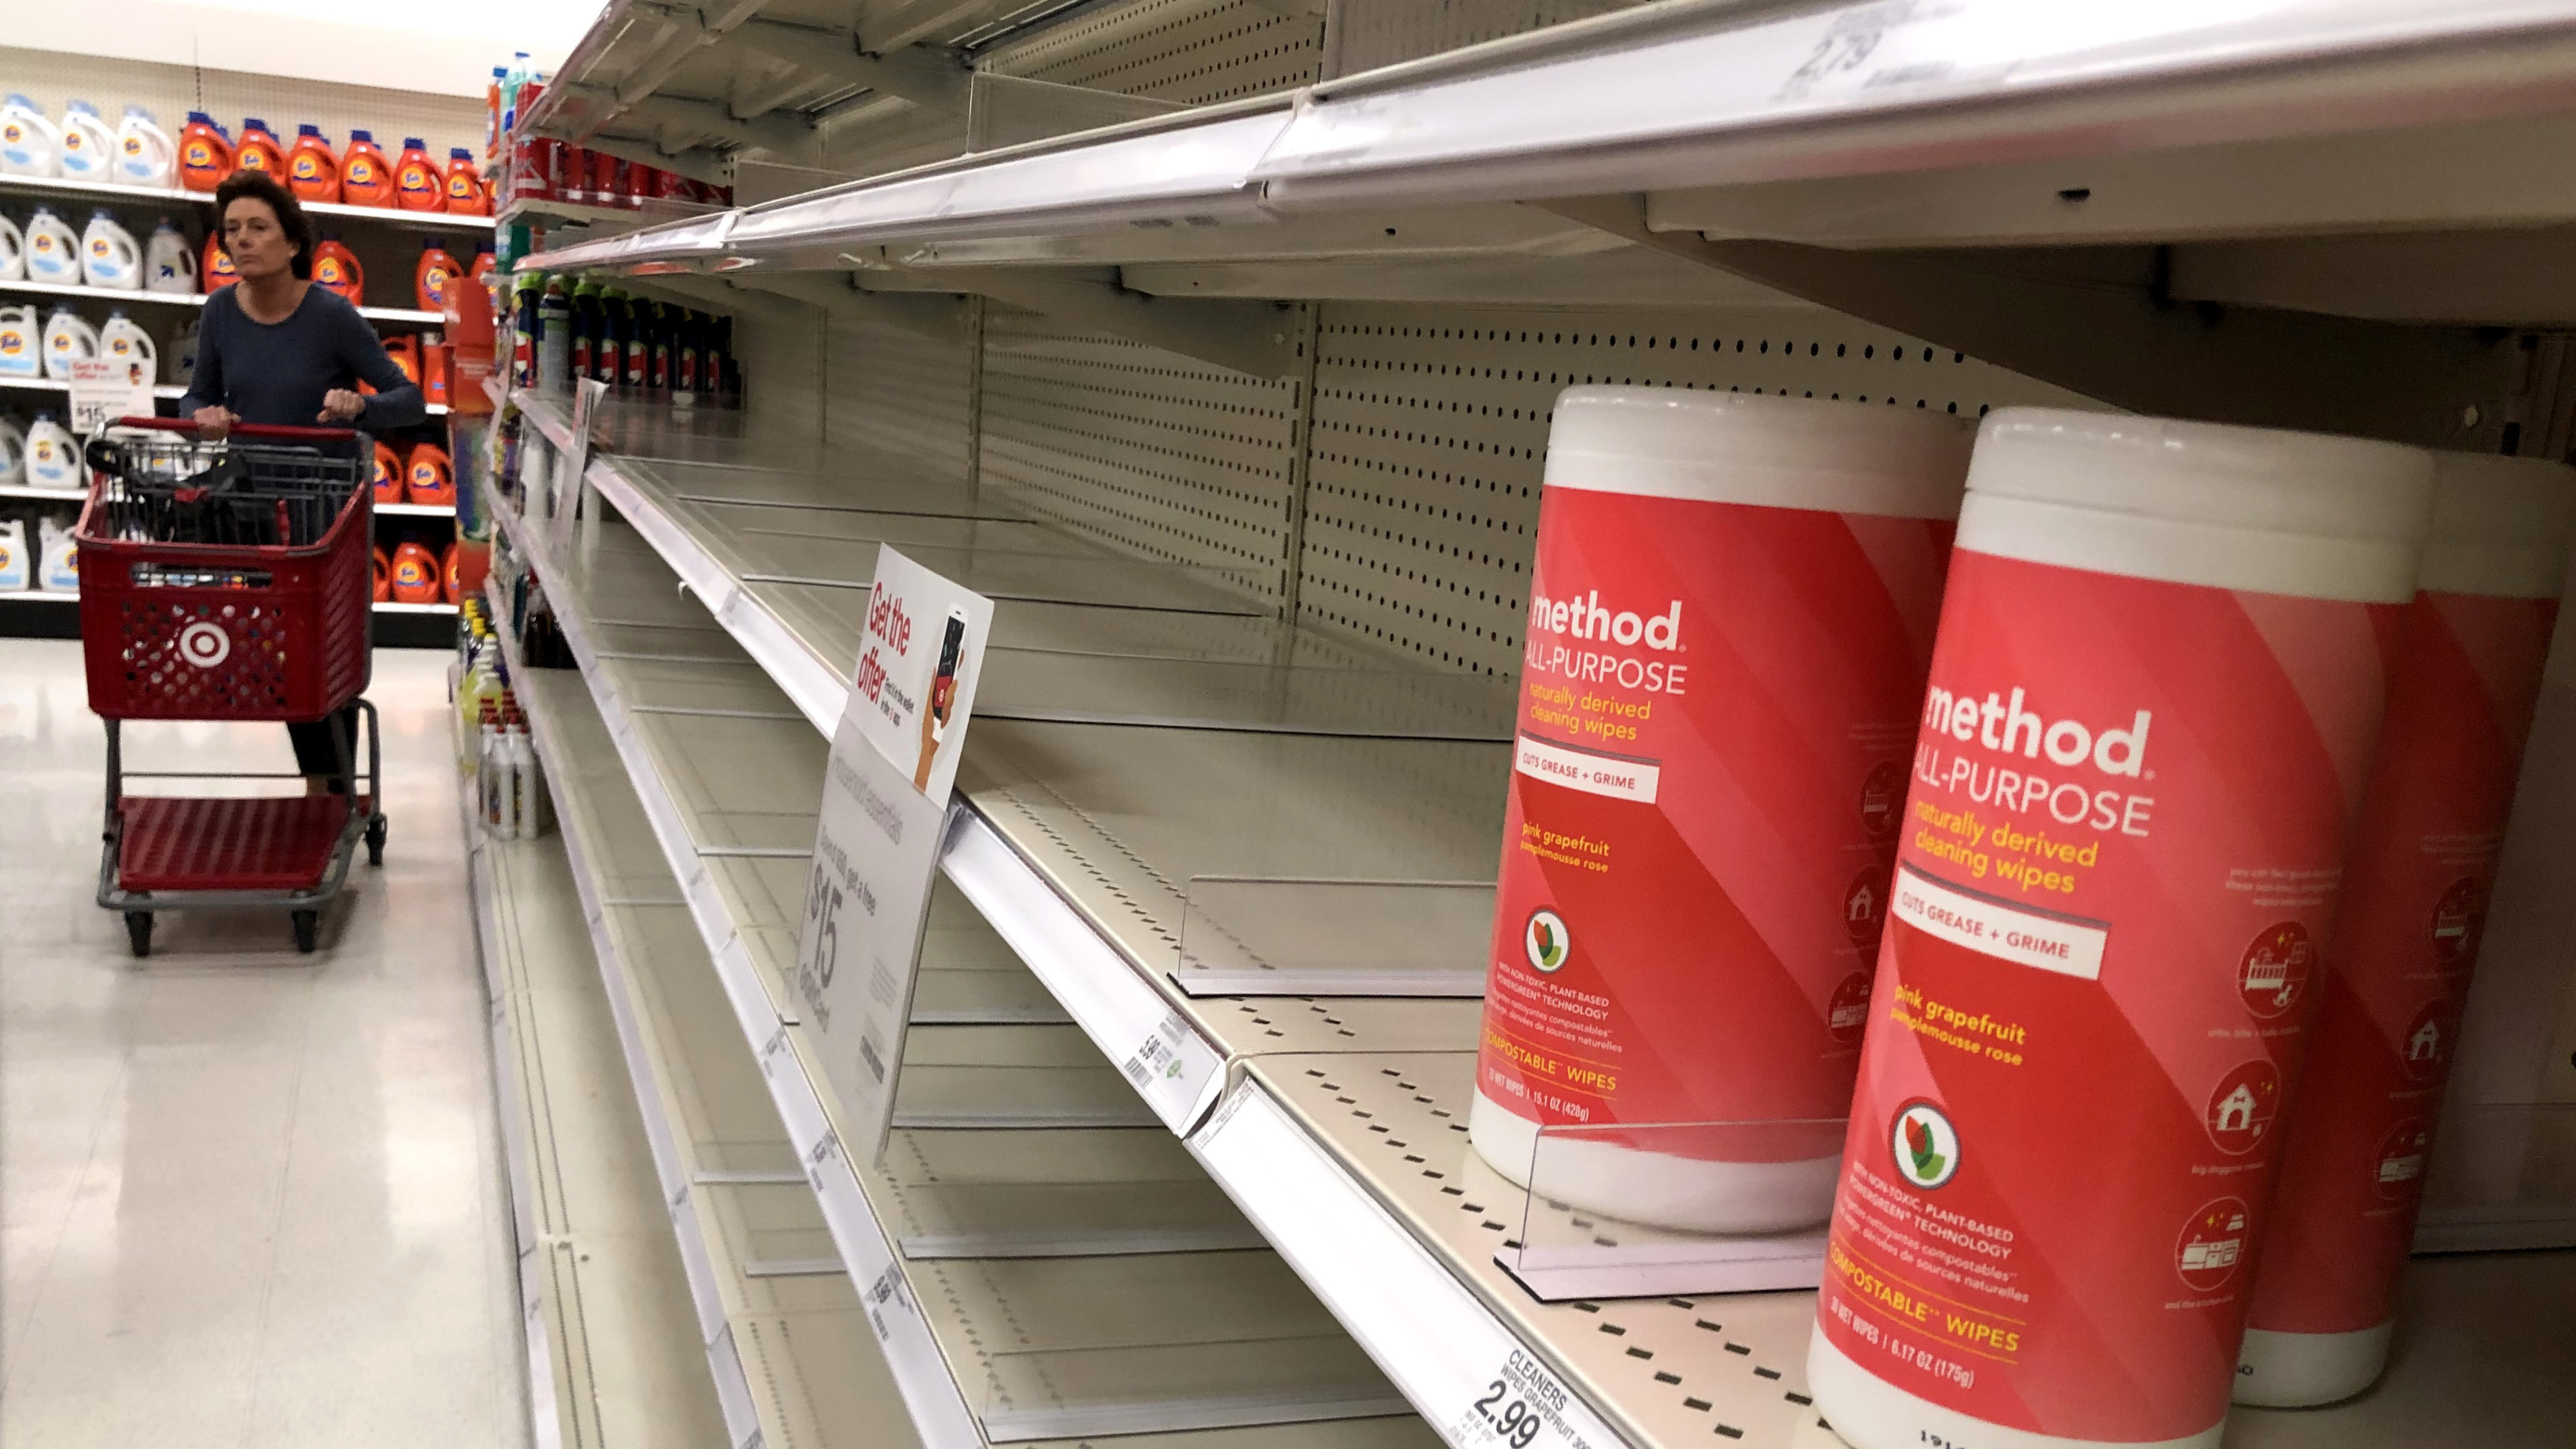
(52, 566)
(103, 255)
(560, 330)
(81, 147)
(421, 475)
(412, 574)
(1943, 844)
(509, 782)
(336, 269)
(48, 350)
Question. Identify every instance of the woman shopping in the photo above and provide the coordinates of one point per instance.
(276, 350)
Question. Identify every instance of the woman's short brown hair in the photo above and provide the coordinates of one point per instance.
(260, 186)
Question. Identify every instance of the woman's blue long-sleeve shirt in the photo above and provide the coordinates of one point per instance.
(275, 373)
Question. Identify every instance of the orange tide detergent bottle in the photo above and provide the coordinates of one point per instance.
(415, 573)
(465, 193)
(483, 264)
(366, 177)
(384, 570)
(312, 171)
(217, 268)
(429, 478)
(205, 153)
(430, 280)
(418, 185)
(405, 352)
(450, 582)
(336, 268)
(388, 482)
(259, 150)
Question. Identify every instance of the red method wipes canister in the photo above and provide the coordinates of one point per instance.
(1729, 621)
(2464, 682)
(2151, 716)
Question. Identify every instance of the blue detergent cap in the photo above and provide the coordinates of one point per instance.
(367, 136)
(308, 130)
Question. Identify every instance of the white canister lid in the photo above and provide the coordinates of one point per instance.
(2200, 503)
(2501, 526)
(1778, 452)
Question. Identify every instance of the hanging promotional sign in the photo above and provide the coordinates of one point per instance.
(107, 388)
(876, 846)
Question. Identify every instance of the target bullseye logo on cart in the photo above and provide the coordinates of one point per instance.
(204, 645)
(1926, 1145)
(1547, 940)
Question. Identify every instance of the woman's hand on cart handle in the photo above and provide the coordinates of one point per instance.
(340, 405)
(216, 422)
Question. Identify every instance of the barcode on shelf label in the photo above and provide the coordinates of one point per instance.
(1170, 1067)
(885, 1297)
(1525, 1406)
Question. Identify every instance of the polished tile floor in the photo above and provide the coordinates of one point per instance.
(247, 1197)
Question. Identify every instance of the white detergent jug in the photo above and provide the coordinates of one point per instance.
(58, 565)
(53, 249)
(88, 146)
(28, 141)
(68, 339)
(53, 455)
(13, 251)
(15, 570)
(124, 341)
(22, 343)
(13, 453)
(110, 257)
(183, 356)
(169, 263)
(145, 154)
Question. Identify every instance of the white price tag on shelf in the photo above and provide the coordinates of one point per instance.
(1172, 1067)
(1524, 1406)
(887, 1300)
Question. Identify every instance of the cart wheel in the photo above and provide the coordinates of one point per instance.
(376, 841)
(304, 923)
(138, 931)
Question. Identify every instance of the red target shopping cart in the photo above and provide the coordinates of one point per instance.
(228, 580)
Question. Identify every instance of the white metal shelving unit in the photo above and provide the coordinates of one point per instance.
(1288, 353)
(1085, 1281)
(190, 299)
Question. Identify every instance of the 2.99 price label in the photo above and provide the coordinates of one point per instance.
(1523, 1406)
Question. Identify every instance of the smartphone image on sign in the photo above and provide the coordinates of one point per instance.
(943, 696)
(943, 685)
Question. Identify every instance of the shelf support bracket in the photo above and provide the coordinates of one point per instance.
(933, 77)
(2431, 386)
(775, 134)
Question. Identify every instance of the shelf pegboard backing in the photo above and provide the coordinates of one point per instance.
(1430, 433)
(1192, 51)
(900, 392)
(1146, 450)
(170, 92)
(1365, 34)
(786, 376)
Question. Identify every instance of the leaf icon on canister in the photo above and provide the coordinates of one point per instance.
(1546, 941)
(1918, 1141)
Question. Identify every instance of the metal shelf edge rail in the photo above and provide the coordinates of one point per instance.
(483, 892)
(715, 1333)
(938, 1404)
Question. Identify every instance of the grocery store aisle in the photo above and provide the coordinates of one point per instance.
(251, 1197)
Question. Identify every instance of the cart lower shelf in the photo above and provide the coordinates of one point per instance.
(280, 844)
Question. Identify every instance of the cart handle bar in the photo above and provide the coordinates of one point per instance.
(242, 430)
